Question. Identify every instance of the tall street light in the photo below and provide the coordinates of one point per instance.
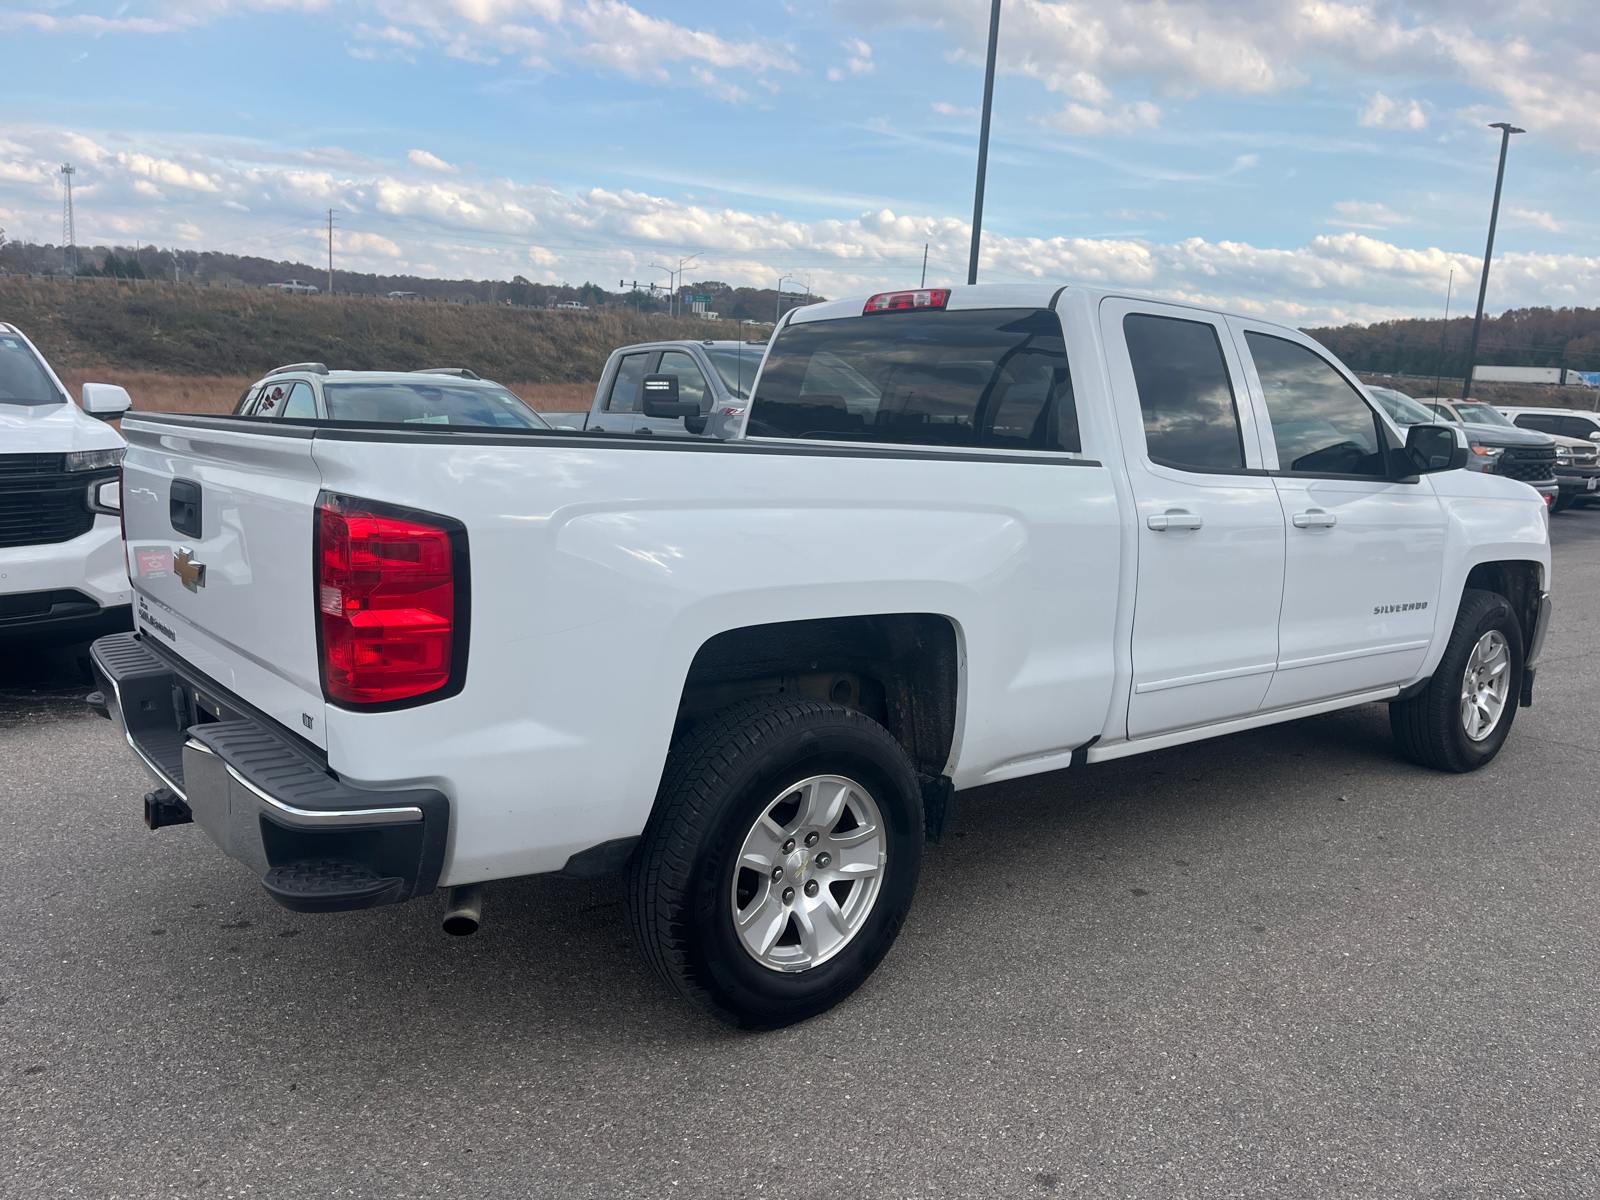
(1506, 130)
(777, 308)
(983, 143)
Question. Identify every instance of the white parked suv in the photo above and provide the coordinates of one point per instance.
(961, 536)
(62, 574)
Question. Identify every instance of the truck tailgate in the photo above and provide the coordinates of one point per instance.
(219, 521)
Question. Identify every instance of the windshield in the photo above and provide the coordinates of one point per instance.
(22, 378)
(429, 404)
(989, 377)
(737, 366)
(1401, 407)
(1480, 414)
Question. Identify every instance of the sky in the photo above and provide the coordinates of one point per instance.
(1309, 160)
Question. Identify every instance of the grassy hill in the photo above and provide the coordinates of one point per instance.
(234, 332)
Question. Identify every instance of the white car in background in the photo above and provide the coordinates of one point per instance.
(63, 577)
(298, 286)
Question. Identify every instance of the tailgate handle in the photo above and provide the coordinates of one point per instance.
(183, 508)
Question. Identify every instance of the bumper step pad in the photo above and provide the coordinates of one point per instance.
(330, 885)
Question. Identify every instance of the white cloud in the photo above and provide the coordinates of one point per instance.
(412, 218)
(1076, 118)
(860, 60)
(603, 33)
(1364, 214)
(1084, 49)
(1382, 112)
(1531, 219)
(431, 162)
(951, 110)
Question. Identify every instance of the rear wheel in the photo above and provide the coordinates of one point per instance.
(1562, 503)
(780, 860)
(1462, 718)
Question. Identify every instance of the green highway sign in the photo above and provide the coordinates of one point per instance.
(702, 299)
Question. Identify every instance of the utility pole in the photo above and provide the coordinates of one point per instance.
(1506, 130)
(1439, 371)
(777, 309)
(69, 230)
(330, 252)
(924, 282)
(983, 143)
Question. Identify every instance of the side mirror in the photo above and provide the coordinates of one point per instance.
(106, 401)
(1431, 448)
(661, 398)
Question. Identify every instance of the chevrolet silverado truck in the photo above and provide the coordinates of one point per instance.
(62, 578)
(960, 536)
(713, 384)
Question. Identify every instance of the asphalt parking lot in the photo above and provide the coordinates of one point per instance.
(1279, 964)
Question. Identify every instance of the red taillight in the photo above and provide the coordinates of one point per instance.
(387, 599)
(897, 301)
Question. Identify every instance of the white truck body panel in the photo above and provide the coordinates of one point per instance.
(601, 566)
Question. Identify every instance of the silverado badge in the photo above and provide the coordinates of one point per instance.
(192, 573)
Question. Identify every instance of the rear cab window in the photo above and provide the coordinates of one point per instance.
(995, 378)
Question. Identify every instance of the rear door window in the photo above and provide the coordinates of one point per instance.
(270, 402)
(625, 388)
(983, 378)
(1191, 420)
(1543, 422)
(1321, 424)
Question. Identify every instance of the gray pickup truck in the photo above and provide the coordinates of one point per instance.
(716, 376)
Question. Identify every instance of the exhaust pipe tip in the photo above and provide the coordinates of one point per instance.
(463, 910)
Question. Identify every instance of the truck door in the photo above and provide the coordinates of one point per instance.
(1210, 529)
(692, 386)
(1365, 555)
(618, 412)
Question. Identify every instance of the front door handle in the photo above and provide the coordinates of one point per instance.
(1314, 519)
(1173, 518)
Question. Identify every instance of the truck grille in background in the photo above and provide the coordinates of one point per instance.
(1532, 465)
(40, 503)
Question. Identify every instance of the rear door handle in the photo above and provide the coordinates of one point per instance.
(1174, 518)
(1314, 519)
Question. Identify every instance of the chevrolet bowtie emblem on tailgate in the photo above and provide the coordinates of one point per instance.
(192, 573)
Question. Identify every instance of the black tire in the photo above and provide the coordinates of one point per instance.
(1428, 728)
(1562, 503)
(720, 776)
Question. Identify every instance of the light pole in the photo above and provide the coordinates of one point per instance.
(777, 308)
(983, 143)
(1506, 130)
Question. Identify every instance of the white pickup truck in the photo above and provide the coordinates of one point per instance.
(963, 536)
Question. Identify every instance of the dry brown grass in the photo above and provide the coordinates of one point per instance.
(153, 391)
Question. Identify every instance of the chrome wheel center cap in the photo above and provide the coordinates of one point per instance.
(795, 865)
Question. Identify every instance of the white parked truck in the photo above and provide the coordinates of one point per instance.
(62, 577)
(963, 536)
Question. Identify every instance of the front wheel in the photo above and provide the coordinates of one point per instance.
(780, 860)
(1462, 718)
